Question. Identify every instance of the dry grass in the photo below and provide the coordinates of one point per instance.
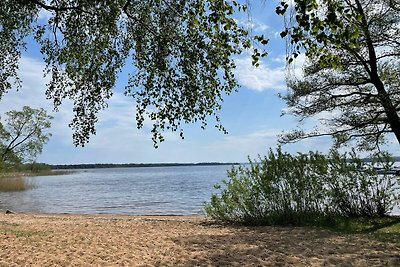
(10, 184)
(12, 174)
(18, 181)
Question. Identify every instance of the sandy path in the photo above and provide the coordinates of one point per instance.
(83, 240)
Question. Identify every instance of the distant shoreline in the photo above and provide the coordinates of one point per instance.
(136, 165)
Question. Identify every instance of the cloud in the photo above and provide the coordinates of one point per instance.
(258, 27)
(44, 15)
(279, 59)
(118, 140)
(33, 88)
(253, 25)
(252, 144)
(294, 70)
(259, 78)
(32, 94)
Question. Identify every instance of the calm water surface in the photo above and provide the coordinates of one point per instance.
(154, 190)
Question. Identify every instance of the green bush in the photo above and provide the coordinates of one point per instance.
(356, 189)
(300, 189)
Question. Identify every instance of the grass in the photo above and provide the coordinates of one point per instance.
(385, 229)
(7, 228)
(7, 224)
(18, 233)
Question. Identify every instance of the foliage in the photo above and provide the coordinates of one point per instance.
(178, 53)
(23, 135)
(352, 76)
(356, 189)
(299, 189)
(33, 168)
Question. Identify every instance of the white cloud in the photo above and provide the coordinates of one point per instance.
(44, 15)
(252, 143)
(265, 77)
(118, 140)
(253, 25)
(258, 143)
(259, 26)
(295, 70)
(279, 59)
(33, 88)
(259, 78)
(32, 94)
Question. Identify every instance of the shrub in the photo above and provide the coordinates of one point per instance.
(356, 189)
(298, 189)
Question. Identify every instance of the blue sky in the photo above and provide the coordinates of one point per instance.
(252, 116)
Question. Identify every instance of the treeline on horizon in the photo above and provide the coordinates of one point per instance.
(135, 165)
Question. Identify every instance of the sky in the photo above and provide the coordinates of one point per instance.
(252, 116)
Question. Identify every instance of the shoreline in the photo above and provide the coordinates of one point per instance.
(38, 239)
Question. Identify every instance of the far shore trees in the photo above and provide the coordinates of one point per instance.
(23, 135)
(352, 74)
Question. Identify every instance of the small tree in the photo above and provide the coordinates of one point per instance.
(353, 68)
(23, 135)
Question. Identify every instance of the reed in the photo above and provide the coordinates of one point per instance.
(10, 184)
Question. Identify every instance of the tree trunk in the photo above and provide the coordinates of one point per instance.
(390, 110)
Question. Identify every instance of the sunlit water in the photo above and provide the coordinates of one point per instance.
(154, 190)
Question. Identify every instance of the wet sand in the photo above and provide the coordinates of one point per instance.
(113, 240)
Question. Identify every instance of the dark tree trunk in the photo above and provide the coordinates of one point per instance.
(390, 111)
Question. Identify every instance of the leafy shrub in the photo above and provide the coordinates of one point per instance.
(297, 189)
(356, 189)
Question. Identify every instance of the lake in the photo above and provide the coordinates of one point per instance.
(148, 190)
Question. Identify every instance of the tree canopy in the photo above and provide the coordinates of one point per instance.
(352, 76)
(23, 135)
(178, 53)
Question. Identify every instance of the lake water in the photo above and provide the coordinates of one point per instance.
(153, 190)
(147, 190)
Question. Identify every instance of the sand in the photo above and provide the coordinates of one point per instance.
(98, 240)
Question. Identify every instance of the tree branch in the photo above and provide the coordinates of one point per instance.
(58, 9)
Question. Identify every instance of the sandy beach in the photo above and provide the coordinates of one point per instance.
(112, 240)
